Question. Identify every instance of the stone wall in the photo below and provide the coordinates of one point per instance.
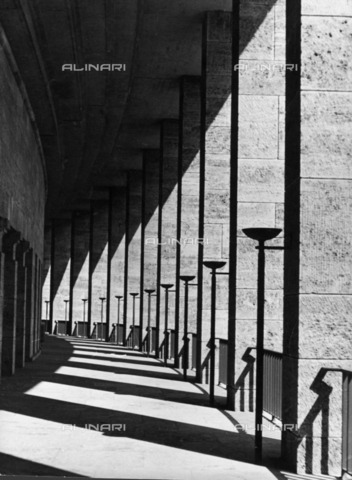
(133, 246)
(215, 163)
(22, 203)
(22, 182)
(117, 251)
(318, 266)
(80, 266)
(150, 222)
(189, 198)
(99, 261)
(261, 117)
(169, 213)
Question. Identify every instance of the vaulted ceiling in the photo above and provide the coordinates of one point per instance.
(95, 125)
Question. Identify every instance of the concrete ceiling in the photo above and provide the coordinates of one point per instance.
(94, 125)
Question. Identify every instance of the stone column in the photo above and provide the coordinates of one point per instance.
(260, 196)
(133, 232)
(150, 217)
(188, 204)
(80, 269)
(318, 264)
(167, 222)
(8, 360)
(21, 309)
(29, 304)
(214, 176)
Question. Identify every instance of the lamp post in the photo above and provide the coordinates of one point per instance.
(213, 267)
(134, 295)
(261, 235)
(102, 299)
(186, 279)
(149, 292)
(118, 297)
(166, 286)
(84, 300)
(66, 302)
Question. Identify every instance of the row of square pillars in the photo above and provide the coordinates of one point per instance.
(222, 167)
(20, 300)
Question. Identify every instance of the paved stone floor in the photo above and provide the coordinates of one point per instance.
(86, 408)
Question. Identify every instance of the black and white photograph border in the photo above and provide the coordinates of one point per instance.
(175, 239)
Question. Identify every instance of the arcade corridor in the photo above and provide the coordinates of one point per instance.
(176, 179)
(152, 424)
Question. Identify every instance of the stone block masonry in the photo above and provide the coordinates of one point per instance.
(150, 224)
(22, 203)
(80, 268)
(117, 244)
(260, 194)
(133, 251)
(99, 260)
(317, 215)
(60, 275)
(188, 202)
(169, 144)
(214, 206)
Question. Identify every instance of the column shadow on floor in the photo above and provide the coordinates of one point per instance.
(197, 438)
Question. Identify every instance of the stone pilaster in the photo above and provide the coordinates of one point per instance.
(260, 151)
(134, 229)
(318, 266)
(169, 143)
(8, 360)
(150, 219)
(188, 203)
(21, 309)
(214, 175)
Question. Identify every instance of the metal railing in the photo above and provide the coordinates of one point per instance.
(45, 323)
(99, 331)
(153, 339)
(112, 336)
(133, 338)
(347, 423)
(60, 327)
(223, 345)
(172, 335)
(119, 334)
(272, 383)
(80, 329)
